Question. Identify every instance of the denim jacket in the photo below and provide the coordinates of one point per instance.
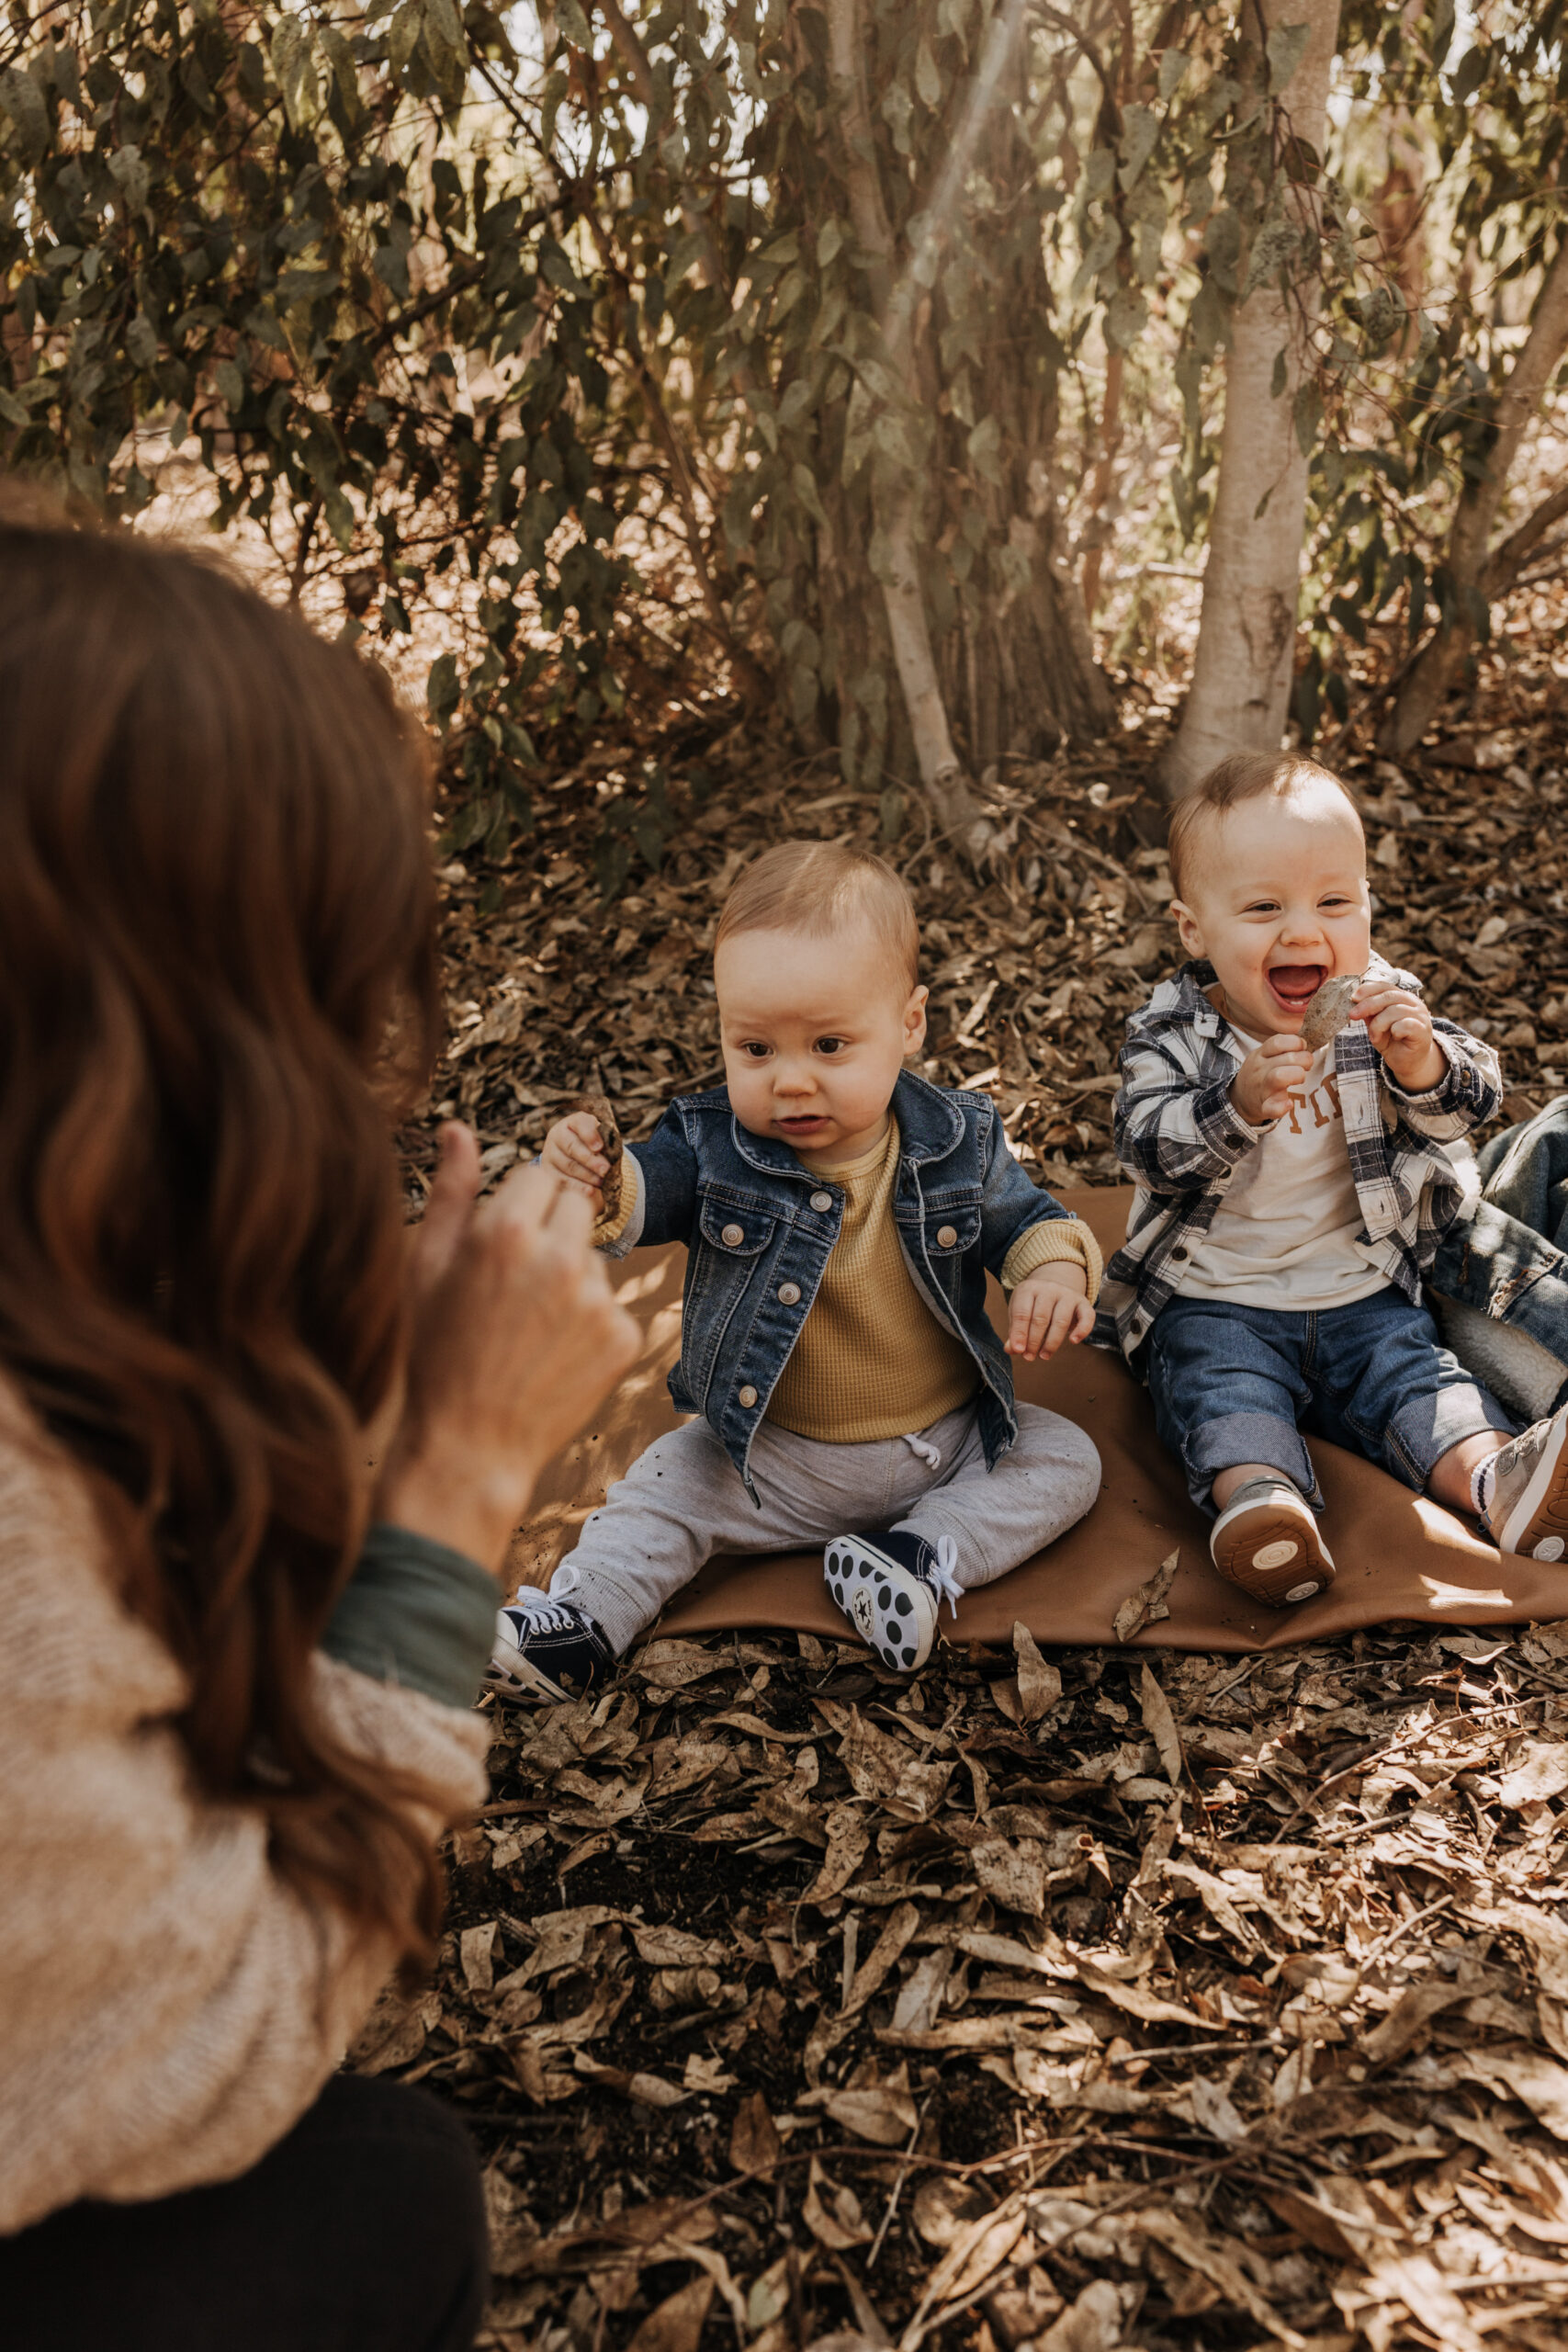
(760, 1227)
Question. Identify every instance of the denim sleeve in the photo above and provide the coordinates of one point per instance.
(666, 1180)
(1010, 1201)
(1172, 1133)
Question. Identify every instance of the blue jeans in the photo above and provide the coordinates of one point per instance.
(1508, 1258)
(1239, 1384)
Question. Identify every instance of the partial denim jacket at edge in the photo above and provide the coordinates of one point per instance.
(760, 1227)
(1180, 1139)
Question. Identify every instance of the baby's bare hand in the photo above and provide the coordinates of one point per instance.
(571, 1152)
(1262, 1087)
(1401, 1028)
(1047, 1309)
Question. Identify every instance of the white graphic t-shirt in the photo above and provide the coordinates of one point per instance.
(1285, 1233)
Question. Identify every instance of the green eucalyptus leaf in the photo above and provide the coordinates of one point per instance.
(1126, 315)
(1140, 129)
(1285, 47)
(928, 76)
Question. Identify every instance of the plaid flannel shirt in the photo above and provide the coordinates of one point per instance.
(1179, 1137)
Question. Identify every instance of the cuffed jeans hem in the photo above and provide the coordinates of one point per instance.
(1234, 1438)
(1421, 1432)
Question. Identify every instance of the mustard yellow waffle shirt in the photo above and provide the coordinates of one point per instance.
(872, 1359)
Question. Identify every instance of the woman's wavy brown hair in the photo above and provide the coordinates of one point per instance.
(216, 912)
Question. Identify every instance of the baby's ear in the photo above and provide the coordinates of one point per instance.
(1187, 928)
(915, 1021)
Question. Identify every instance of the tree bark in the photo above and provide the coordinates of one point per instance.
(1477, 575)
(942, 773)
(1244, 660)
(1010, 672)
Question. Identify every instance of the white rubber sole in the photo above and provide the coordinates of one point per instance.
(892, 1610)
(1272, 1550)
(511, 1676)
(1545, 1493)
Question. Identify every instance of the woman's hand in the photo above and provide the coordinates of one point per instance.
(515, 1338)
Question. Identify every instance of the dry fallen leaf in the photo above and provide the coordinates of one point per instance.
(1146, 1606)
(676, 2324)
(1160, 1724)
(754, 2142)
(1039, 1683)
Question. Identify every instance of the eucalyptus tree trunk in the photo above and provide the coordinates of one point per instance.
(1004, 664)
(1477, 571)
(1244, 660)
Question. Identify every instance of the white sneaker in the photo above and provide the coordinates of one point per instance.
(1530, 1492)
(891, 1586)
(547, 1649)
(1265, 1541)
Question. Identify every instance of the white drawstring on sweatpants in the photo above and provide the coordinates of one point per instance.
(924, 1451)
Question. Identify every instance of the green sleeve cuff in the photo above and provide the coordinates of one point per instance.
(417, 1613)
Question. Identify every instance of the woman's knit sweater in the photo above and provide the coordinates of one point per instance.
(168, 2005)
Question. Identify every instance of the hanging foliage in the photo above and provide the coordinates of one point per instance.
(766, 351)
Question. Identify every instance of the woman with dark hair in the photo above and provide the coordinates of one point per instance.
(237, 1661)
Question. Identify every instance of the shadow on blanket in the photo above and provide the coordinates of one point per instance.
(1398, 1555)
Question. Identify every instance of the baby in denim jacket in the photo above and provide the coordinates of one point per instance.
(1290, 1200)
(841, 1214)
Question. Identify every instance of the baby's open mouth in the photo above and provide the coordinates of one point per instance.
(1295, 985)
(799, 1125)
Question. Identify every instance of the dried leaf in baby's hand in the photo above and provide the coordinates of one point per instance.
(1146, 1606)
(1328, 1008)
(598, 1107)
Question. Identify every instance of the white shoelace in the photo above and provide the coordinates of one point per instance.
(539, 1612)
(944, 1577)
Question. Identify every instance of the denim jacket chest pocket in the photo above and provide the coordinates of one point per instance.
(735, 1232)
(948, 1224)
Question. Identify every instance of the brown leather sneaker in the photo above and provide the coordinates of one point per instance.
(1265, 1541)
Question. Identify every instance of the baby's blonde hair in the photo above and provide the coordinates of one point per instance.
(821, 887)
(1245, 776)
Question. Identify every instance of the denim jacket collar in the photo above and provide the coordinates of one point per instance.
(931, 1125)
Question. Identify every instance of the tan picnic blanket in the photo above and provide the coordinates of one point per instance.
(1398, 1555)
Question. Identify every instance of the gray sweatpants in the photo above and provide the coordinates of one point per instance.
(684, 1500)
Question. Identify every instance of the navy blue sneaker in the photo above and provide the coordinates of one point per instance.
(891, 1585)
(547, 1649)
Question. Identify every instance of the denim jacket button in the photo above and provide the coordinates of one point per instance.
(946, 1237)
(789, 1293)
(732, 1236)
(821, 1201)
(747, 1397)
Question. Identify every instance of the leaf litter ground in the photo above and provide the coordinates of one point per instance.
(1072, 2003)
